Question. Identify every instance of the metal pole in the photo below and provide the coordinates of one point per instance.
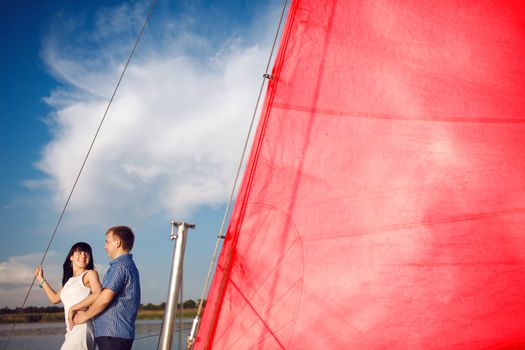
(166, 336)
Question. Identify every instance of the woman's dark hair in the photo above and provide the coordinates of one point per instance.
(68, 266)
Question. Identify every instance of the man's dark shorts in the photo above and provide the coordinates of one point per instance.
(113, 343)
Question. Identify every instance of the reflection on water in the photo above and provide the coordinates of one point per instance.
(51, 335)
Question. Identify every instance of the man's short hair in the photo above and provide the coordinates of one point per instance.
(125, 234)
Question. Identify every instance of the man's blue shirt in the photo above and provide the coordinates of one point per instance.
(118, 319)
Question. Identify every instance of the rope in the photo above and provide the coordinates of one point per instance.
(158, 335)
(82, 167)
(221, 236)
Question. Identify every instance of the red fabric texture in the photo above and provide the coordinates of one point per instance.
(383, 206)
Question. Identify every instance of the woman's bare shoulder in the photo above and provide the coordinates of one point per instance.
(92, 274)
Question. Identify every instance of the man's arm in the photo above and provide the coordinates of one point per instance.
(94, 284)
(100, 302)
(84, 303)
(81, 305)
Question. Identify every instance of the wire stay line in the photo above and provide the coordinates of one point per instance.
(220, 236)
(59, 221)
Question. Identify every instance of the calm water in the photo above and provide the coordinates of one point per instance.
(51, 335)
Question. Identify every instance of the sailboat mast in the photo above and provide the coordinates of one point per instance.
(166, 336)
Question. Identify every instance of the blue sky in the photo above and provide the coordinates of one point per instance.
(169, 146)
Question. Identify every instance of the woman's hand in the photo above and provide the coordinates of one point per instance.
(71, 315)
(73, 318)
(53, 296)
(80, 317)
(39, 274)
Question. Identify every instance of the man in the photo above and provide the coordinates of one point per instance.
(115, 308)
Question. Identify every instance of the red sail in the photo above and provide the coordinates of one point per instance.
(384, 202)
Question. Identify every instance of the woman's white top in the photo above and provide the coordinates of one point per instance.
(81, 337)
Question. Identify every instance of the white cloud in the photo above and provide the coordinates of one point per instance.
(172, 137)
(16, 274)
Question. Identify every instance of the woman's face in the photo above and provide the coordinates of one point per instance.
(80, 259)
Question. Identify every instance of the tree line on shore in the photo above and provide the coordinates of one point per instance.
(188, 304)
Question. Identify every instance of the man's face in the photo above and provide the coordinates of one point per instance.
(111, 245)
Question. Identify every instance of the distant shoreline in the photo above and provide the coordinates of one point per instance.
(48, 317)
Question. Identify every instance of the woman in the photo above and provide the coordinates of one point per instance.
(78, 282)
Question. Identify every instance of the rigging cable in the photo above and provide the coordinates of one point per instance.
(158, 334)
(82, 166)
(266, 76)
